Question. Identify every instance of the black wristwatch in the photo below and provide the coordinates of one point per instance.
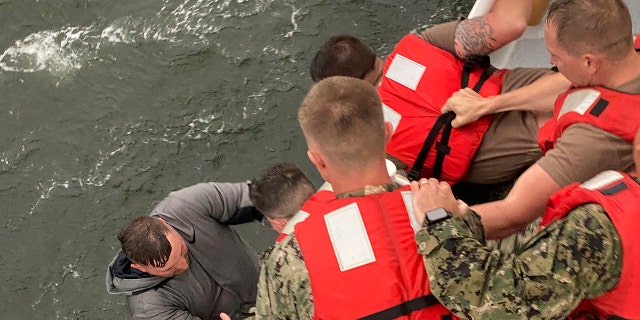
(437, 215)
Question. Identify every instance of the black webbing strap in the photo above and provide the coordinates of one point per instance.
(443, 121)
(442, 149)
(473, 63)
(404, 308)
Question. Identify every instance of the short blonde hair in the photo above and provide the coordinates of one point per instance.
(342, 116)
(592, 26)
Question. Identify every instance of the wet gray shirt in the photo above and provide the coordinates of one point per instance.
(222, 274)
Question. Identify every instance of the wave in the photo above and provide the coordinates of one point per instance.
(188, 23)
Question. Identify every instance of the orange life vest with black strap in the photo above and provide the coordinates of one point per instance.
(362, 259)
(418, 79)
(619, 195)
(613, 111)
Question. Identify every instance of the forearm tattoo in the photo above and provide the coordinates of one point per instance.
(474, 37)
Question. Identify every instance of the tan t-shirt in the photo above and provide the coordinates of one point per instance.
(584, 150)
(510, 145)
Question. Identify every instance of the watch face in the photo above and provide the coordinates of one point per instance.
(437, 214)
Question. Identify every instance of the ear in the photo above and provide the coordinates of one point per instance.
(139, 267)
(317, 159)
(388, 132)
(592, 62)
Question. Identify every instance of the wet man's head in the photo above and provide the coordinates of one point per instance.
(345, 55)
(341, 118)
(154, 247)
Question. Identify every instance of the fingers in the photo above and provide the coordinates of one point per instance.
(456, 122)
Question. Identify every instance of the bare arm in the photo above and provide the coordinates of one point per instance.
(483, 35)
(523, 204)
(537, 97)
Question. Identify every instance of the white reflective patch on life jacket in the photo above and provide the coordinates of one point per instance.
(602, 179)
(408, 203)
(349, 237)
(405, 71)
(579, 101)
(297, 218)
(392, 116)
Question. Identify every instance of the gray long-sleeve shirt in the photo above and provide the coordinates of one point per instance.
(222, 273)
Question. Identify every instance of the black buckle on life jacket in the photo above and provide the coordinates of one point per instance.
(442, 148)
(444, 121)
(404, 308)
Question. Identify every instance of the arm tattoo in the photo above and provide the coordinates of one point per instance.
(474, 37)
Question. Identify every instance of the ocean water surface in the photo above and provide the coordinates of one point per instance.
(108, 105)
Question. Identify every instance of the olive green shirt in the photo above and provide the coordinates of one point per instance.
(571, 259)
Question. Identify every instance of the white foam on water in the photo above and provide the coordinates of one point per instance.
(294, 13)
(51, 288)
(64, 51)
(55, 51)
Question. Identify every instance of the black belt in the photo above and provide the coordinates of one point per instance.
(405, 308)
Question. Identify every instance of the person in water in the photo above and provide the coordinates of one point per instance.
(184, 261)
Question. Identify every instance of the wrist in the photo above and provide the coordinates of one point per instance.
(435, 216)
(490, 105)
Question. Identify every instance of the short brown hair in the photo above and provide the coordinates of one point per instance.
(592, 26)
(280, 191)
(342, 116)
(144, 241)
(342, 55)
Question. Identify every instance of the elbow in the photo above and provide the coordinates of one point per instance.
(513, 28)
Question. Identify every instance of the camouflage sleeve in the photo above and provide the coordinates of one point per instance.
(284, 290)
(571, 259)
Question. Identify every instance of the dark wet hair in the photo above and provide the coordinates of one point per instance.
(342, 55)
(144, 241)
(280, 191)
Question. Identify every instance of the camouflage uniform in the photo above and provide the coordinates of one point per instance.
(284, 288)
(571, 259)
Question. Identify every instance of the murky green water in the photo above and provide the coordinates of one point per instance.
(108, 105)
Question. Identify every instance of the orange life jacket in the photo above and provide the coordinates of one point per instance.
(613, 111)
(418, 79)
(619, 195)
(362, 259)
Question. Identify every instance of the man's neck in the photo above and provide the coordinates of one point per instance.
(623, 72)
(352, 180)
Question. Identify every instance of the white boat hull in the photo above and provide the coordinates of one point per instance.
(529, 50)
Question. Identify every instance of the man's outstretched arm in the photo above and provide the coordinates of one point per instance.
(537, 97)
